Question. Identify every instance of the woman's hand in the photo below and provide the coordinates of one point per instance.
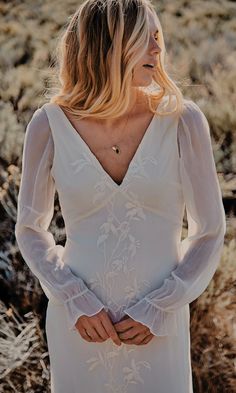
(133, 332)
(97, 328)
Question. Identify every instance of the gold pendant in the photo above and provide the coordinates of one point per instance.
(116, 149)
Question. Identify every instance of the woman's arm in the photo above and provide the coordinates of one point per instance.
(201, 250)
(34, 214)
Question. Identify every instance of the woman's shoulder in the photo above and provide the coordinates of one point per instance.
(193, 117)
(38, 134)
(193, 127)
(38, 141)
(192, 112)
(39, 124)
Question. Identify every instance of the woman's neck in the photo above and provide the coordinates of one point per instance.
(138, 103)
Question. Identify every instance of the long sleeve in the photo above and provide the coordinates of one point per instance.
(34, 213)
(201, 249)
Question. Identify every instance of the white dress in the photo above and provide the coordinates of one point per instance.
(123, 249)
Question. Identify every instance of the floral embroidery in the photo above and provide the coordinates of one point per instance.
(139, 165)
(119, 246)
(132, 374)
(80, 163)
(108, 359)
(100, 190)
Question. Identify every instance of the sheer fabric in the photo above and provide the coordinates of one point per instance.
(34, 214)
(200, 251)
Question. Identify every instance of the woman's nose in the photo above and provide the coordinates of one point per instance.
(154, 47)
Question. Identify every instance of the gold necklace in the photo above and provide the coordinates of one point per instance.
(116, 148)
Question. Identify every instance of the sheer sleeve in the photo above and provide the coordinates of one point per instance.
(201, 249)
(34, 213)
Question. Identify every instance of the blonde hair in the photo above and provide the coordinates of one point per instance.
(97, 52)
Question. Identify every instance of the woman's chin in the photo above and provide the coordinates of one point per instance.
(144, 83)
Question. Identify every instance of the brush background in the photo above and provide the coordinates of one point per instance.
(200, 40)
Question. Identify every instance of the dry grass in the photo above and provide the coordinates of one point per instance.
(201, 45)
(213, 329)
(24, 363)
(212, 314)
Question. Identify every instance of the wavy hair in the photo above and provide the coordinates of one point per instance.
(95, 57)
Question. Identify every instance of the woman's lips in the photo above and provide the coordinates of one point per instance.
(150, 68)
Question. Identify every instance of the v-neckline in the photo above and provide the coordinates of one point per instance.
(97, 163)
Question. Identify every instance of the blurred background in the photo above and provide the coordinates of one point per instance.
(200, 39)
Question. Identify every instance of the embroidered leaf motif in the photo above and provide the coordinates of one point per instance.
(79, 164)
(111, 274)
(130, 293)
(127, 269)
(100, 190)
(101, 358)
(133, 372)
(109, 226)
(123, 226)
(117, 264)
(119, 247)
(93, 283)
(134, 244)
(112, 354)
(102, 238)
(135, 211)
(153, 160)
(94, 363)
(139, 166)
(91, 360)
(145, 364)
(124, 229)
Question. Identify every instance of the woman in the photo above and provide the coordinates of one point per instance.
(126, 153)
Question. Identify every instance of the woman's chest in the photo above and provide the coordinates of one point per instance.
(114, 149)
(151, 179)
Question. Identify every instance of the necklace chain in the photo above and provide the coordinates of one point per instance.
(116, 147)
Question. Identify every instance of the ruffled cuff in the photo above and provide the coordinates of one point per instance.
(160, 322)
(85, 303)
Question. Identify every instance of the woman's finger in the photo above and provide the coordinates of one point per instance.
(100, 329)
(91, 332)
(146, 339)
(111, 331)
(139, 339)
(125, 324)
(102, 321)
(85, 335)
(130, 333)
(135, 340)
